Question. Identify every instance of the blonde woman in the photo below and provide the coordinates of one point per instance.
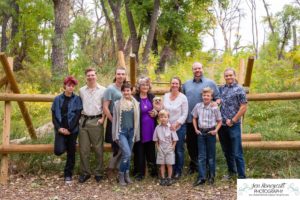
(176, 104)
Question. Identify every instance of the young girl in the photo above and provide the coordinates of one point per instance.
(66, 111)
(126, 129)
(165, 142)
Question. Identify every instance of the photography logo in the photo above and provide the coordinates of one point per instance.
(261, 189)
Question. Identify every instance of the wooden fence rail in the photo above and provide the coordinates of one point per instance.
(50, 98)
(48, 148)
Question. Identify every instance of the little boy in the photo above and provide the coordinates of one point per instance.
(208, 123)
(165, 142)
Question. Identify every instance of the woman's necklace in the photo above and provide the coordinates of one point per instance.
(144, 100)
(145, 103)
(126, 104)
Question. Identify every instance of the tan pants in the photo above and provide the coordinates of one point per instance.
(91, 136)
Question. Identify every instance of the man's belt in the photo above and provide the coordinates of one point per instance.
(204, 131)
(86, 117)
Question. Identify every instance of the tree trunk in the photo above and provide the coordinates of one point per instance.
(4, 39)
(226, 43)
(127, 48)
(119, 32)
(294, 37)
(111, 29)
(135, 44)
(295, 65)
(151, 33)
(19, 53)
(61, 15)
(154, 47)
(268, 17)
(284, 40)
(256, 29)
(165, 55)
(15, 20)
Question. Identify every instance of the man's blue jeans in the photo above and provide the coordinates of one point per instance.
(126, 143)
(179, 150)
(231, 143)
(206, 155)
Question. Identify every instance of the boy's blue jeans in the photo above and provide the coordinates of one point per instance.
(231, 143)
(206, 155)
(125, 144)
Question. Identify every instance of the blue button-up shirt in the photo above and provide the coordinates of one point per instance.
(74, 110)
(193, 89)
(232, 96)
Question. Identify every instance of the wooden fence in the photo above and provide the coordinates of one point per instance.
(12, 93)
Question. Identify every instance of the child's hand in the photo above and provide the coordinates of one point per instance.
(213, 132)
(173, 147)
(100, 121)
(198, 132)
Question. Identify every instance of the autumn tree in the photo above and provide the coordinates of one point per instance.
(61, 24)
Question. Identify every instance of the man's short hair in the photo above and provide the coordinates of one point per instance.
(120, 68)
(89, 69)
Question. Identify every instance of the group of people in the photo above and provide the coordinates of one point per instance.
(151, 128)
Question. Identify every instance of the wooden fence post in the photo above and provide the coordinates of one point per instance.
(249, 71)
(241, 73)
(6, 133)
(3, 81)
(15, 89)
(241, 82)
(132, 70)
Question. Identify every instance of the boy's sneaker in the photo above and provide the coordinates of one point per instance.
(227, 177)
(162, 181)
(169, 181)
(68, 179)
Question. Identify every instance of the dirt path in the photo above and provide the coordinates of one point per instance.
(52, 187)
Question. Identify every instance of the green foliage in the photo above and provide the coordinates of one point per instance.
(181, 23)
(34, 29)
(294, 55)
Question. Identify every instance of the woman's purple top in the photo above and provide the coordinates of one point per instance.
(147, 122)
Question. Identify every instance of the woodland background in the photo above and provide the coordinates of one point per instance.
(50, 39)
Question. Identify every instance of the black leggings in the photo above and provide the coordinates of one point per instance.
(144, 152)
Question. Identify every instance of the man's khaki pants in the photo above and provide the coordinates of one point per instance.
(91, 136)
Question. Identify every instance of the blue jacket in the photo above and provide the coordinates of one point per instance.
(74, 112)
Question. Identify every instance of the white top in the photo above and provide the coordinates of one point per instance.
(92, 100)
(178, 108)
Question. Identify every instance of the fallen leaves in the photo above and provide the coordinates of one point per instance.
(52, 187)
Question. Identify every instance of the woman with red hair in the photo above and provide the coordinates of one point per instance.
(66, 112)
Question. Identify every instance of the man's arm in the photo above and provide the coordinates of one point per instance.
(106, 109)
(240, 113)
